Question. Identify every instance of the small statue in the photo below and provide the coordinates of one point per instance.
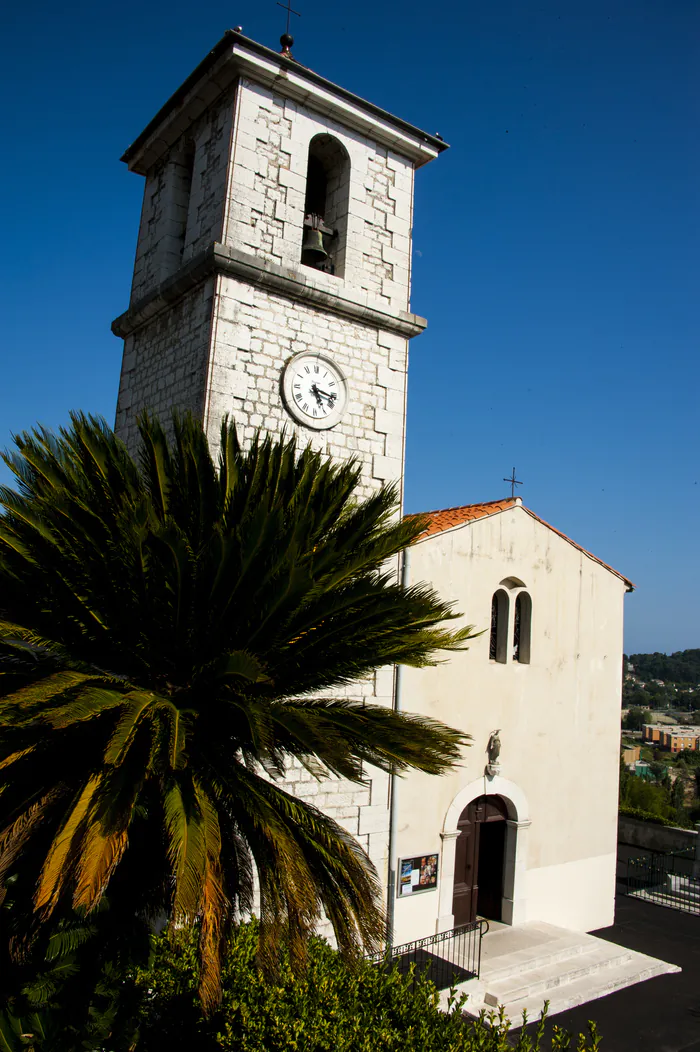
(494, 748)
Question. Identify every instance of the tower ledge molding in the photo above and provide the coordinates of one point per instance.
(286, 281)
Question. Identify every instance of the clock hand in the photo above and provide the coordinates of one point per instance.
(325, 394)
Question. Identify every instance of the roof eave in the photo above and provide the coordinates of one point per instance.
(235, 54)
(629, 585)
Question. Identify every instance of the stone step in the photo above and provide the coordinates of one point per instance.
(523, 967)
(502, 956)
(589, 988)
(565, 970)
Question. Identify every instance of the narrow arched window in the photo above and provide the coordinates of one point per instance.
(522, 628)
(499, 627)
(326, 205)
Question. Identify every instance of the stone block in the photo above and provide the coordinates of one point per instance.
(374, 819)
(289, 178)
(390, 339)
(393, 446)
(386, 469)
(396, 401)
(390, 378)
(387, 423)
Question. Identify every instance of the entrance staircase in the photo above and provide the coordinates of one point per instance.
(524, 966)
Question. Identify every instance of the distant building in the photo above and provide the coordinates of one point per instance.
(631, 753)
(642, 769)
(675, 738)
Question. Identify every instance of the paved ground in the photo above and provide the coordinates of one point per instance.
(659, 1015)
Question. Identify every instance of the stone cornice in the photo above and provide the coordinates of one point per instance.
(236, 55)
(285, 281)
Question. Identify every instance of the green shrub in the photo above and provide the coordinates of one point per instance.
(331, 1007)
(644, 816)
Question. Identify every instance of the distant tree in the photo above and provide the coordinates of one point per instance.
(681, 667)
(625, 778)
(636, 718)
(658, 770)
(648, 797)
(678, 793)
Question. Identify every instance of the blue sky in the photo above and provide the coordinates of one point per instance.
(556, 244)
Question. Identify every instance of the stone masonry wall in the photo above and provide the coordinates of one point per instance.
(267, 185)
(172, 230)
(222, 348)
(256, 332)
(165, 362)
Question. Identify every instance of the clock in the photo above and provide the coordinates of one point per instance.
(315, 390)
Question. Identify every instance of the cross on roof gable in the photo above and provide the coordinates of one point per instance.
(450, 518)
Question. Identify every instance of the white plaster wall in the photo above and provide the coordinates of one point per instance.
(559, 715)
(578, 894)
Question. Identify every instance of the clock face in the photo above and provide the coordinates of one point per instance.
(315, 390)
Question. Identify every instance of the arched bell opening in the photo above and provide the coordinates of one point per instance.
(326, 206)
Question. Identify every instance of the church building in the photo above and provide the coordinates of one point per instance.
(272, 283)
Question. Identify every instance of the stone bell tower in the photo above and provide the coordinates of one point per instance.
(272, 283)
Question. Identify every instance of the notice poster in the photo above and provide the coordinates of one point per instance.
(418, 874)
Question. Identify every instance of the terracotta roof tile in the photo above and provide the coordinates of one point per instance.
(447, 518)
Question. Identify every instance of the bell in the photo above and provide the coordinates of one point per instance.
(312, 250)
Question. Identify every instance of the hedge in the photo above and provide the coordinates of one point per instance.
(331, 1007)
(645, 816)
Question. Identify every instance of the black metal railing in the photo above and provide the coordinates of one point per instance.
(448, 958)
(671, 880)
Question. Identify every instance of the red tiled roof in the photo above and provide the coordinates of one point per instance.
(447, 518)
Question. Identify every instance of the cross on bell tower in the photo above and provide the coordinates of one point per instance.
(287, 40)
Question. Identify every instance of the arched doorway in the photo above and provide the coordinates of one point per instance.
(479, 860)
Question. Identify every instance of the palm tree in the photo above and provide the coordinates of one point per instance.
(178, 628)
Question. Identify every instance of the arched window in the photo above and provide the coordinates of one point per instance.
(522, 628)
(326, 205)
(499, 627)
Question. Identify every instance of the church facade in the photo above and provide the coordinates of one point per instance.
(520, 833)
(272, 283)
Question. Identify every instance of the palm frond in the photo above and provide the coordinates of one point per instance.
(177, 627)
(56, 869)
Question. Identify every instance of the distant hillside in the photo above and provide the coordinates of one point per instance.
(681, 667)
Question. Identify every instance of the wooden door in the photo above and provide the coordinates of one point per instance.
(492, 845)
(479, 857)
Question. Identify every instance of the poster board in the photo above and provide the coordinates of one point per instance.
(417, 874)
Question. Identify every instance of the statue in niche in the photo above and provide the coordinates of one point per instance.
(493, 750)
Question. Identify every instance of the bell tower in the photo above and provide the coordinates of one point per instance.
(276, 222)
(272, 282)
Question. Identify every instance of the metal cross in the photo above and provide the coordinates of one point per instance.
(513, 483)
(288, 8)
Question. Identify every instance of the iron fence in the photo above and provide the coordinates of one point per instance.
(448, 958)
(671, 880)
